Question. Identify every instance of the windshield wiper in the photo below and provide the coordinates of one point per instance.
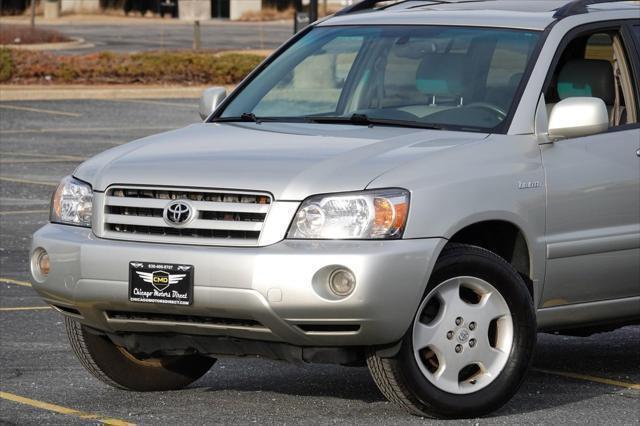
(365, 120)
(245, 117)
(249, 116)
(355, 119)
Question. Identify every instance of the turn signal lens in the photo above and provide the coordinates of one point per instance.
(402, 210)
(44, 264)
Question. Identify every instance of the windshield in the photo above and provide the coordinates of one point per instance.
(425, 76)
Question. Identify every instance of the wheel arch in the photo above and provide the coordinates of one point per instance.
(502, 237)
(470, 232)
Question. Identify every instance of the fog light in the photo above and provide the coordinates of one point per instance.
(342, 282)
(40, 264)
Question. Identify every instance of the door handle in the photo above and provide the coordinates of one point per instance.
(638, 152)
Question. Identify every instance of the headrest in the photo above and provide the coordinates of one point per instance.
(587, 77)
(514, 80)
(441, 75)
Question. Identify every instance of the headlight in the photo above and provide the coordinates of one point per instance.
(72, 203)
(379, 214)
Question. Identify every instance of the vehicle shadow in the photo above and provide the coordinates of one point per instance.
(612, 355)
(330, 381)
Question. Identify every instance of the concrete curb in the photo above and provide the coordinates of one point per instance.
(76, 43)
(65, 92)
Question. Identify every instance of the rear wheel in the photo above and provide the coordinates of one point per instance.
(470, 343)
(115, 366)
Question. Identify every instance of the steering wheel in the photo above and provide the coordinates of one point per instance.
(502, 114)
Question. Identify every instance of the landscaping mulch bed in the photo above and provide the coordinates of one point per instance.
(268, 14)
(23, 34)
(164, 67)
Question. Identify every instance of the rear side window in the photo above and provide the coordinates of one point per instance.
(599, 46)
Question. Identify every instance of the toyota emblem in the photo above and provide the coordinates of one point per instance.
(178, 213)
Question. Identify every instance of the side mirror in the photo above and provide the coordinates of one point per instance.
(210, 100)
(575, 117)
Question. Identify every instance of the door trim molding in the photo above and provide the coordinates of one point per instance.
(605, 244)
(590, 313)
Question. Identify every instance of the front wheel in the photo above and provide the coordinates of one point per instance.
(471, 341)
(115, 366)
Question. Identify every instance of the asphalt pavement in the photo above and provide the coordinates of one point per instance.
(574, 380)
(141, 35)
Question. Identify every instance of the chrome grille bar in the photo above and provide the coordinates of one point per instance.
(200, 205)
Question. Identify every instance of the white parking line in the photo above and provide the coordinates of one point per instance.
(161, 103)
(41, 111)
(18, 212)
(35, 161)
(89, 130)
(25, 308)
(34, 182)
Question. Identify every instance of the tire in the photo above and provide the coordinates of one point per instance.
(421, 377)
(116, 367)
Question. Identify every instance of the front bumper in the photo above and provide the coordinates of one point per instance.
(262, 293)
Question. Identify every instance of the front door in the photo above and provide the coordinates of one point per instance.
(593, 185)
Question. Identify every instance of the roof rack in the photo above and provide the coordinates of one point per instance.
(577, 7)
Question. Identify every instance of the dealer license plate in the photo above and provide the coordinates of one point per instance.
(161, 283)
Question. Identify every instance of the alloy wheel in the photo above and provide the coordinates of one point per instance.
(462, 335)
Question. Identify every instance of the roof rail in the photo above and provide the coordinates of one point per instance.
(577, 7)
(371, 4)
(360, 6)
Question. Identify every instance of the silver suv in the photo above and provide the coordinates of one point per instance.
(415, 186)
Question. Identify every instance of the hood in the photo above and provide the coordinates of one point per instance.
(290, 161)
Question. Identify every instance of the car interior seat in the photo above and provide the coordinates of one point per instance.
(586, 78)
(440, 77)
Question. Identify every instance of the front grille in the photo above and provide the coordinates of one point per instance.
(220, 217)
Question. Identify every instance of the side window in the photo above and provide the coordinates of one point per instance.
(596, 65)
(315, 83)
(636, 33)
